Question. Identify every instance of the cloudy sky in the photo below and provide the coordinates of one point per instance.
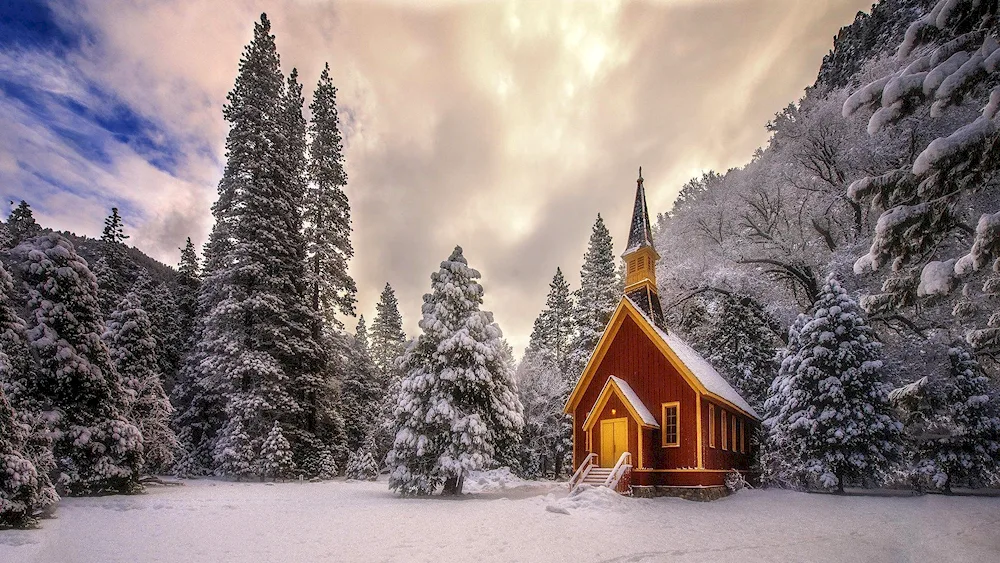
(505, 127)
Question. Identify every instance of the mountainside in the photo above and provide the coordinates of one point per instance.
(871, 35)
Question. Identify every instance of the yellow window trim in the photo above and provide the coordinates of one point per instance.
(711, 425)
(663, 424)
(732, 427)
(725, 435)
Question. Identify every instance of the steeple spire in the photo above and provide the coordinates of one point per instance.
(640, 259)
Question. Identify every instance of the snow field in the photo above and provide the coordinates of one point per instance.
(217, 521)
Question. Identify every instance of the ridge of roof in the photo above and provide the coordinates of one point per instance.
(701, 368)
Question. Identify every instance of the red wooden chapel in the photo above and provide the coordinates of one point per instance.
(645, 392)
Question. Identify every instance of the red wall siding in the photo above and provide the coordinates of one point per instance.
(635, 359)
(717, 457)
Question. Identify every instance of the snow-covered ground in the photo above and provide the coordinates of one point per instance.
(507, 520)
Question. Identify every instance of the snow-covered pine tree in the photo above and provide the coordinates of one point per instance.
(360, 391)
(186, 293)
(828, 416)
(742, 346)
(113, 268)
(387, 346)
(130, 339)
(458, 400)
(960, 441)
(554, 326)
(160, 305)
(361, 464)
(276, 455)
(199, 393)
(19, 382)
(387, 336)
(262, 334)
(21, 223)
(18, 476)
(596, 298)
(327, 211)
(97, 450)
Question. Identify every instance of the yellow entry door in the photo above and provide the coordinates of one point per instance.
(614, 440)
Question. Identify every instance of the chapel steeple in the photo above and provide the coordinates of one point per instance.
(640, 259)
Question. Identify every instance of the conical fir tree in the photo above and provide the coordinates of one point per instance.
(96, 448)
(968, 453)
(458, 401)
(113, 268)
(21, 223)
(596, 299)
(360, 390)
(387, 346)
(327, 211)
(387, 336)
(276, 455)
(829, 418)
(742, 346)
(19, 382)
(259, 342)
(361, 465)
(133, 350)
(554, 326)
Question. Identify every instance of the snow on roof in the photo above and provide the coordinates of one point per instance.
(633, 399)
(711, 379)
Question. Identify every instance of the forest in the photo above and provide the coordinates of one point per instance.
(845, 281)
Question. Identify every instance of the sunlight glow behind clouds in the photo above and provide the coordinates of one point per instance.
(501, 126)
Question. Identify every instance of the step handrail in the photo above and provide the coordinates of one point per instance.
(582, 471)
(624, 464)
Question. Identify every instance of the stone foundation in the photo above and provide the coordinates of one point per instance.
(698, 493)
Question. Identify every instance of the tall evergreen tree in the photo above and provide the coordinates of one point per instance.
(828, 416)
(387, 346)
(554, 326)
(259, 339)
(21, 223)
(458, 402)
(387, 336)
(596, 299)
(96, 448)
(19, 382)
(742, 345)
(113, 268)
(133, 349)
(327, 211)
(360, 391)
(959, 438)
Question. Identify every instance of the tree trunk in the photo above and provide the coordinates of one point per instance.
(840, 484)
(453, 485)
(947, 486)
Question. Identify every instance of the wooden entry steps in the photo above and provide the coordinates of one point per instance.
(618, 478)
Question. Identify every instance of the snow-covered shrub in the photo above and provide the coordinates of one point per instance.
(276, 455)
(361, 465)
(735, 481)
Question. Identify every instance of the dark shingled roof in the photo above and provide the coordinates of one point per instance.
(639, 234)
(649, 303)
